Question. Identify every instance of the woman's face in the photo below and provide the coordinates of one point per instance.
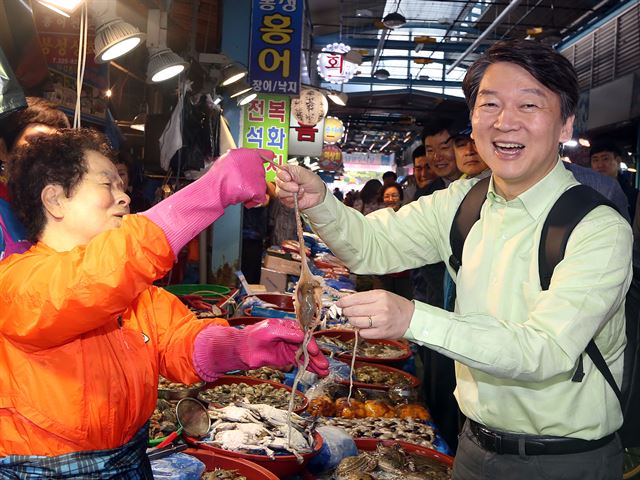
(391, 197)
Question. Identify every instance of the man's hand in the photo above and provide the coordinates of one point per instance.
(378, 313)
(309, 186)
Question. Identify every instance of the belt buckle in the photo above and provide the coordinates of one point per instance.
(494, 440)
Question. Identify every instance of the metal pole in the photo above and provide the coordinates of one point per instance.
(484, 34)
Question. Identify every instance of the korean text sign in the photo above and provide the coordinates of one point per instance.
(276, 46)
(265, 124)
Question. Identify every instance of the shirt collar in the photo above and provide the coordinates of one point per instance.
(537, 198)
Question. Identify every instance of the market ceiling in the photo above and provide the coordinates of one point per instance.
(415, 91)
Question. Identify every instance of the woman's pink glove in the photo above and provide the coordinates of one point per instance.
(271, 342)
(238, 176)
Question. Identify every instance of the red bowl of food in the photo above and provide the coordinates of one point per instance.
(281, 465)
(375, 351)
(380, 377)
(238, 379)
(243, 467)
(282, 301)
(371, 444)
(244, 321)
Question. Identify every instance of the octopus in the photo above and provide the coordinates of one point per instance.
(307, 302)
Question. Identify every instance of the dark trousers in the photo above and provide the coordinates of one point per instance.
(475, 463)
(439, 382)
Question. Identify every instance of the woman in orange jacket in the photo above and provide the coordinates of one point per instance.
(84, 334)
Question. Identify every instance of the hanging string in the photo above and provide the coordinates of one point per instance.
(82, 61)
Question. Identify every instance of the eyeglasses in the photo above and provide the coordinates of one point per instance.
(391, 196)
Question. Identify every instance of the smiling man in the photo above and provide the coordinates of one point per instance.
(516, 347)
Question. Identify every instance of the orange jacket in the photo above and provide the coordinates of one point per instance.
(83, 337)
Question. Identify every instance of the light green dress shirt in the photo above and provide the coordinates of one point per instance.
(516, 347)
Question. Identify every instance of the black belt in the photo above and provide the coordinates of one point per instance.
(508, 443)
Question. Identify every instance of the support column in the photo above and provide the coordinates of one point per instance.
(227, 230)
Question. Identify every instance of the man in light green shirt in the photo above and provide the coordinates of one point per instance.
(516, 347)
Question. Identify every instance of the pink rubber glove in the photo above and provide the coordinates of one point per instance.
(271, 342)
(237, 176)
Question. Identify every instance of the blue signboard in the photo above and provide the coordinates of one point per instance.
(276, 46)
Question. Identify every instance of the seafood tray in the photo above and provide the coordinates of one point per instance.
(380, 460)
(380, 377)
(259, 433)
(230, 389)
(372, 351)
(264, 373)
(169, 390)
(163, 420)
(342, 407)
(241, 468)
(403, 429)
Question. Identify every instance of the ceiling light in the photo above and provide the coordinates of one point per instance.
(232, 73)
(339, 98)
(247, 97)
(584, 142)
(353, 56)
(217, 100)
(571, 143)
(236, 89)
(63, 7)
(381, 74)
(394, 20)
(139, 122)
(163, 65)
(163, 62)
(114, 36)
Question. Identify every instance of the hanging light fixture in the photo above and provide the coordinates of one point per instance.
(381, 74)
(246, 97)
(63, 7)
(339, 98)
(232, 73)
(394, 20)
(114, 36)
(163, 62)
(238, 88)
(139, 122)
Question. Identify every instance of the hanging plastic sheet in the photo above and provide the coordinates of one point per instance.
(11, 95)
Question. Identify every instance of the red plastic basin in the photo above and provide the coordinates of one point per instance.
(282, 301)
(413, 381)
(282, 465)
(243, 467)
(370, 444)
(243, 321)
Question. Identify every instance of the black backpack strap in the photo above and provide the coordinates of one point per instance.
(568, 211)
(466, 216)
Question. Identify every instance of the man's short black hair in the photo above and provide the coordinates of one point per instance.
(604, 146)
(547, 66)
(419, 151)
(389, 174)
(56, 159)
(39, 111)
(436, 125)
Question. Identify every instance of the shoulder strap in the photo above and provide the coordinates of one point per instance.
(466, 216)
(568, 211)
